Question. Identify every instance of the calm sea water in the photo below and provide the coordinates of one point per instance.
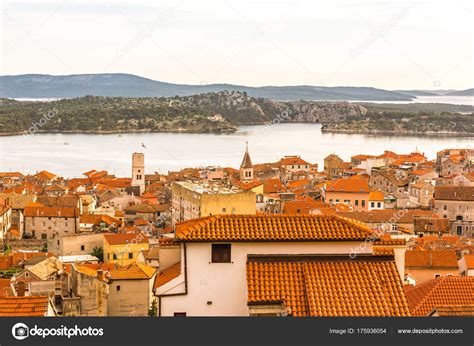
(172, 151)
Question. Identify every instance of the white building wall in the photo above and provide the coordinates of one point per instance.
(225, 284)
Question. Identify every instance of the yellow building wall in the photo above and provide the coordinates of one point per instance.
(122, 252)
(258, 190)
(235, 203)
(351, 197)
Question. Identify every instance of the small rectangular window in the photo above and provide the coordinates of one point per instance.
(82, 247)
(221, 253)
(130, 255)
(118, 287)
(180, 314)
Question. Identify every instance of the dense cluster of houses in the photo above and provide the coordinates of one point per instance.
(379, 235)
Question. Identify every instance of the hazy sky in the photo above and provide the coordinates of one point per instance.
(385, 44)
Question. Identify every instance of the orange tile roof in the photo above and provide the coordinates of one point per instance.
(390, 216)
(117, 183)
(134, 271)
(55, 187)
(422, 171)
(23, 306)
(125, 238)
(382, 251)
(163, 242)
(271, 228)
(349, 185)
(302, 207)
(97, 219)
(11, 174)
(362, 157)
(292, 160)
(328, 285)
(431, 258)
(246, 186)
(298, 183)
(387, 240)
(443, 291)
(456, 158)
(119, 213)
(387, 154)
(45, 175)
(376, 196)
(15, 189)
(6, 262)
(51, 212)
(469, 258)
(273, 185)
(94, 266)
(85, 270)
(5, 288)
(167, 275)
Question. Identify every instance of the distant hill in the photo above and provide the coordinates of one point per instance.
(467, 92)
(127, 85)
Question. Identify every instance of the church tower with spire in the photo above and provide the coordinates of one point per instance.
(246, 168)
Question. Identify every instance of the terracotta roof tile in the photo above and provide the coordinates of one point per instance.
(45, 175)
(431, 258)
(163, 242)
(167, 275)
(469, 258)
(390, 216)
(5, 288)
(349, 185)
(329, 285)
(271, 228)
(443, 291)
(125, 238)
(24, 306)
(51, 212)
(292, 160)
(376, 196)
(454, 193)
(273, 185)
(134, 271)
(97, 219)
(302, 207)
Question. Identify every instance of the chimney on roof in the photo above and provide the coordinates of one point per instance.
(100, 274)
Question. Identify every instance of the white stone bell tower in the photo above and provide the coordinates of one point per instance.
(138, 171)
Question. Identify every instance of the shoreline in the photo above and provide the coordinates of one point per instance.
(102, 132)
(233, 130)
(398, 133)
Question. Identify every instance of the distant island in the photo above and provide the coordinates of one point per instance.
(223, 112)
(409, 119)
(128, 85)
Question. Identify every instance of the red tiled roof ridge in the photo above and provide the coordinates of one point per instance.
(183, 229)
